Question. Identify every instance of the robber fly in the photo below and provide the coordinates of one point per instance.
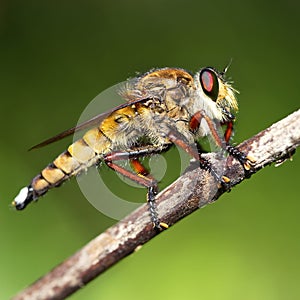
(163, 107)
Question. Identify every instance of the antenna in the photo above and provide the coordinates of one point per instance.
(227, 67)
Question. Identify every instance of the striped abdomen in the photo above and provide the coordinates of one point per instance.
(116, 131)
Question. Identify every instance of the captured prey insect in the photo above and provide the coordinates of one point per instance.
(163, 107)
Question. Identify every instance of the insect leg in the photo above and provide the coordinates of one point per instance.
(204, 163)
(136, 152)
(139, 168)
(235, 152)
(142, 177)
(228, 131)
(240, 156)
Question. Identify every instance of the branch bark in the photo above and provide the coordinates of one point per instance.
(193, 190)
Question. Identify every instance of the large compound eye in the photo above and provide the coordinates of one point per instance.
(209, 83)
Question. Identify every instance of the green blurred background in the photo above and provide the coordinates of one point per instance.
(57, 55)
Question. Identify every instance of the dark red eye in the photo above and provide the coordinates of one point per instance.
(209, 83)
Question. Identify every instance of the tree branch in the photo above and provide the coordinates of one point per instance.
(193, 190)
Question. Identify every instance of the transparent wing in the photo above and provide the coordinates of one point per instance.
(87, 124)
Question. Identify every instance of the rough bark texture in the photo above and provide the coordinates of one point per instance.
(193, 190)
